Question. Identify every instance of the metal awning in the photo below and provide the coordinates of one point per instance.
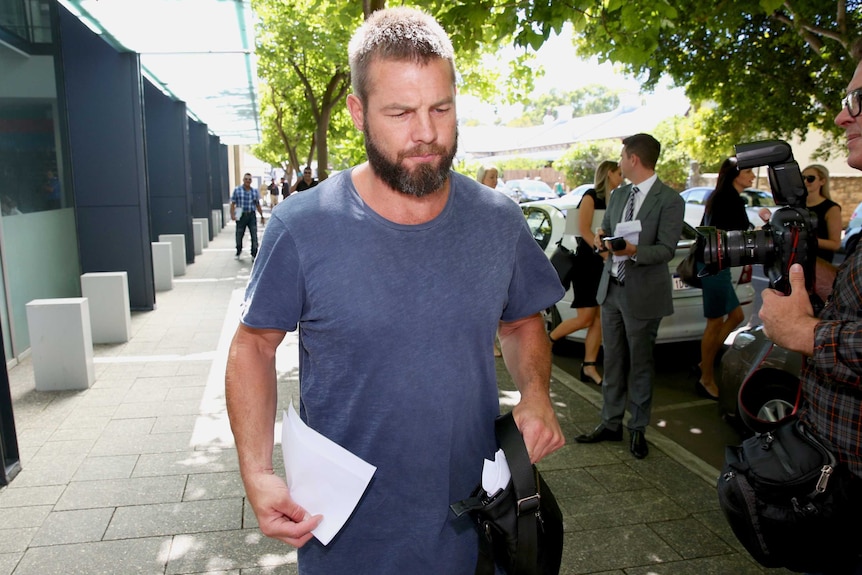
(198, 51)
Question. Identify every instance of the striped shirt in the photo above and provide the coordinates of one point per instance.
(832, 377)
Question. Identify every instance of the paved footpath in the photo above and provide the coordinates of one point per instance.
(138, 474)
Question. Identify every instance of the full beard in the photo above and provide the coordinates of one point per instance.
(422, 180)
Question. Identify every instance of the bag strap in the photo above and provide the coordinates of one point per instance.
(526, 491)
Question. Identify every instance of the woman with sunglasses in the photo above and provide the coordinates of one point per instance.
(828, 213)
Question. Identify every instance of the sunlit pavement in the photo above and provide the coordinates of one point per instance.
(138, 474)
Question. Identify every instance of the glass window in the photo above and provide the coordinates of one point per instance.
(539, 223)
(29, 175)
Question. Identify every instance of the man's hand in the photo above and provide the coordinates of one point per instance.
(597, 239)
(789, 321)
(277, 514)
(538, 423)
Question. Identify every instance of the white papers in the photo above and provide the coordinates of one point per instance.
(496, 474)
(323, 477)
(631, 232)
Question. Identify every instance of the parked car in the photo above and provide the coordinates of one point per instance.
(770, 374)
(754, 200)
(548, 223)
(853, 232)
(528, 190)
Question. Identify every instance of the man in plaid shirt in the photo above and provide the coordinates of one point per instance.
(832, 374)
(247, 200)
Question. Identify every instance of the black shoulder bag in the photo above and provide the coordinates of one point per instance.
(520, 527)
(563, 260)
(789, 502)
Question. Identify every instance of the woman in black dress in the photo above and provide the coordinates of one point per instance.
(588, 270)
(725, 210)
(828, 212)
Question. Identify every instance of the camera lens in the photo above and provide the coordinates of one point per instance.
(723, 249)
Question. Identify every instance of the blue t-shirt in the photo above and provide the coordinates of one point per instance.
(397, 326)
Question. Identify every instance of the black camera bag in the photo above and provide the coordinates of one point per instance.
(789, 502)
(521, 527)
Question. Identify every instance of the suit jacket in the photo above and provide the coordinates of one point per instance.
(648, 287)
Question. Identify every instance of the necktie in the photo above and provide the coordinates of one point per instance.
(629, 215)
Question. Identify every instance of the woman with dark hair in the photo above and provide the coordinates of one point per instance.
(588, 270)
(725, 210)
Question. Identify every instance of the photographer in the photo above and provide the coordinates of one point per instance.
(832, 375)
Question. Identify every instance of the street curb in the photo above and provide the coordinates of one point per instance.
(672, 449)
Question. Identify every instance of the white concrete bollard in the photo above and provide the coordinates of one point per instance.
(108, 297)
(61, 343)
(178, 247)
(163, 266)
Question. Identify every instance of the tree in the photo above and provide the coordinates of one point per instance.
(303, 63)
(770, 68)
(773, 68)
(592, 99)
(580, 161)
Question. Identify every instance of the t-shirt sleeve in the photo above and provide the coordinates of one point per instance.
(535, 284)
(275, 293)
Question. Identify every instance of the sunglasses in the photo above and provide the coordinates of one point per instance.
(809, 179)
(852, 102)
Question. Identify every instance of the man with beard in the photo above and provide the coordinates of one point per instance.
(397, 273)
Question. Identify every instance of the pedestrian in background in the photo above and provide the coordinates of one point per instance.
(725, 210)
(635, 290)
(588, 271)
(828, 212)
(245, 199)
(306, 182)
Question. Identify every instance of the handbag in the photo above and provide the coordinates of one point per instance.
(563, 260)
(520, 527)
(687, 269)
(789, 502)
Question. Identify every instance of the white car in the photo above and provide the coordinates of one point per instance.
(528, 190)
(754, 200)
(548, 224)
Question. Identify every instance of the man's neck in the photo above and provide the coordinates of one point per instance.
(394, 205)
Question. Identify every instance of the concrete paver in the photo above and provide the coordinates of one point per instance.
(138, 474)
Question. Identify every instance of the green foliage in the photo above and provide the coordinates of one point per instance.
(302, 61)
(674, 162)
(773, 68)
(592, 99)
(580, 161)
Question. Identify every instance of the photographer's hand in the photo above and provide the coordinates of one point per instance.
(788, 320)
(764, 214)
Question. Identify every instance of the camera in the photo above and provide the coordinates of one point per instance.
(789, 237)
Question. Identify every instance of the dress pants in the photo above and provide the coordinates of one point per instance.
(246, 220)
(629, 362)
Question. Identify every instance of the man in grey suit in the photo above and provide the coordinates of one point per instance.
(635, 290)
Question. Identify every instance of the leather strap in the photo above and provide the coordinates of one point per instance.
(526, 493)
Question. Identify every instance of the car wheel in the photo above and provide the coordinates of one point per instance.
(851, 245)
(768, 397)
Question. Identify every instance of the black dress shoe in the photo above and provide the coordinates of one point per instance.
(600, 433)
(639, 445)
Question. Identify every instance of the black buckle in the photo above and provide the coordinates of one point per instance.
(529, 504)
